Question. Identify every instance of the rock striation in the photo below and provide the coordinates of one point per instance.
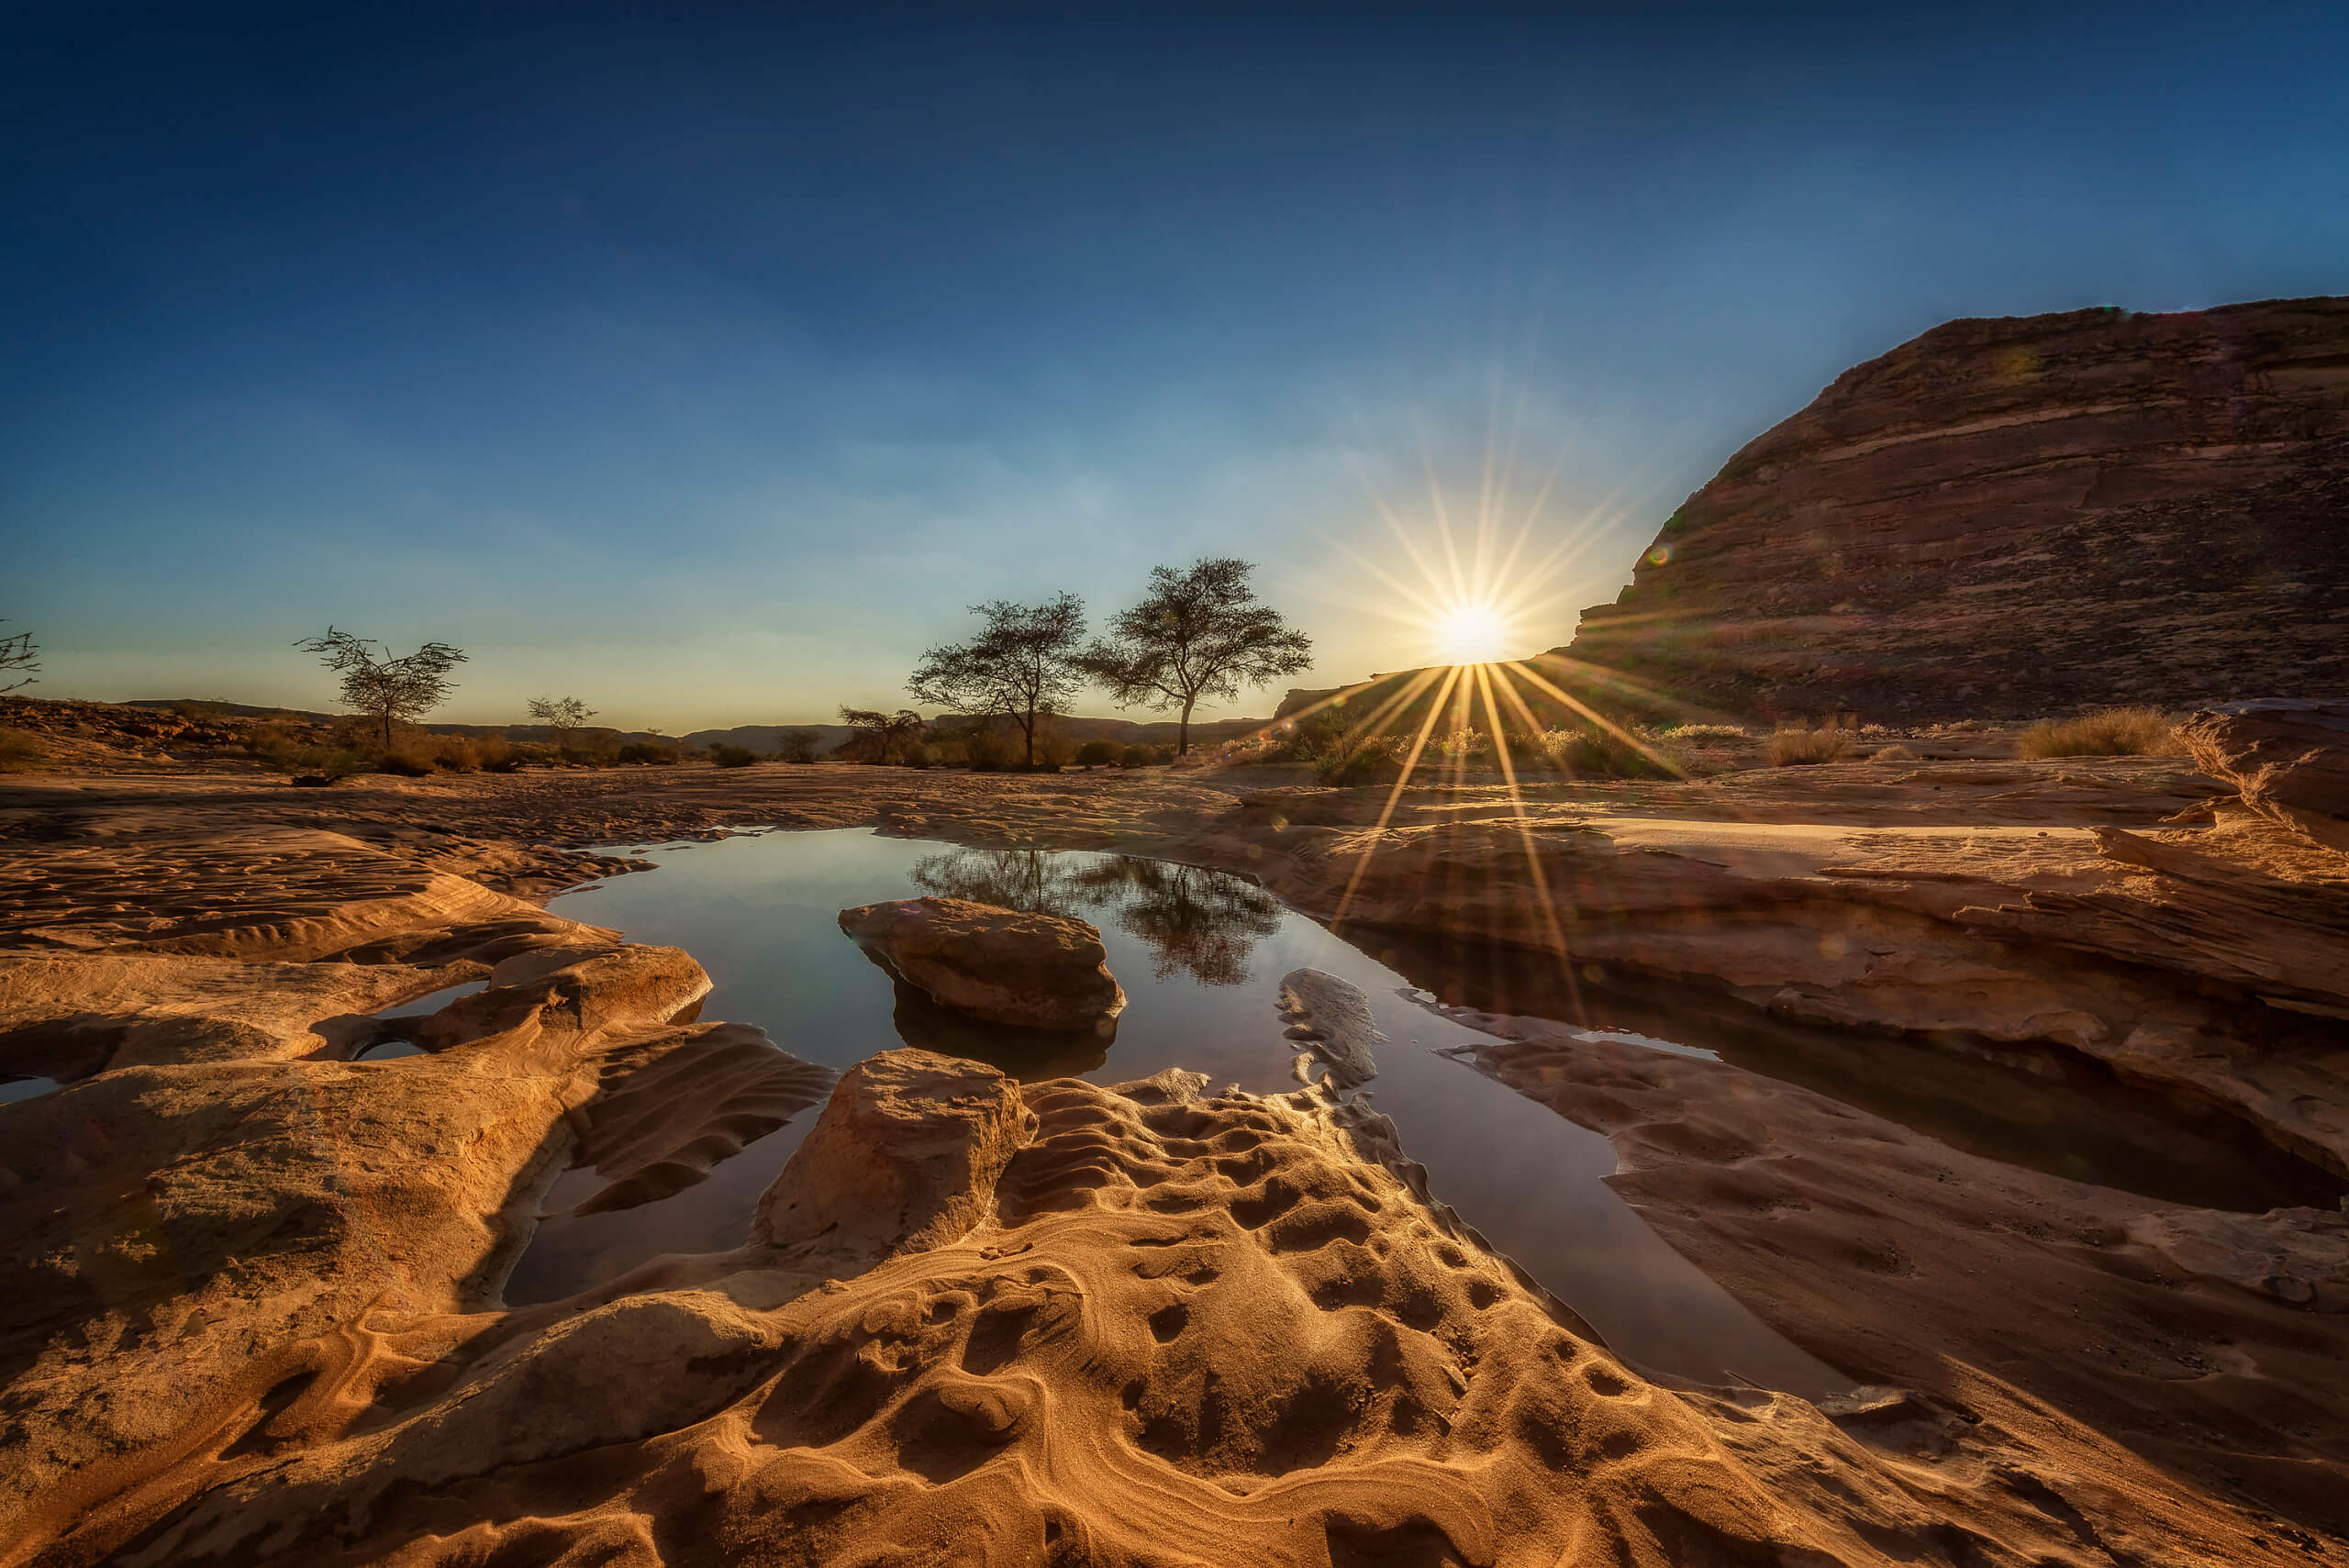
(2289, 760)
(2015, 516)
(1038, 970)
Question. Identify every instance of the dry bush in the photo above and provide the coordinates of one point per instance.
(1892, 754)
(1366, 759)
(2114, 732)
(1141, 756)
(1096, 754)
(1800, 746)
(19, 752)
(1684, 732)
(1588, 751)
(649, 753)
(272, 741)
(1461, 746)
(727, 755)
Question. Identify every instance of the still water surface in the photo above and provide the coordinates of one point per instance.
(1200, 956)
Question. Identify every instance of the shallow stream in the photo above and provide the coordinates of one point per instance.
(1200, 956)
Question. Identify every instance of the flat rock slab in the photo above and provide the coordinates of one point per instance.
(1040, 971)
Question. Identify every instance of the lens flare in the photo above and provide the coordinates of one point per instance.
(1475, 633)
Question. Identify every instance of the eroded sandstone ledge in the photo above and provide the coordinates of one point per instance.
(342, 1331)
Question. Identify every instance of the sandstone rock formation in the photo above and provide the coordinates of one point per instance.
(1042, 971)
(1155, 1328)
(2289, 760)
(1331, 1018)
(2017, 516)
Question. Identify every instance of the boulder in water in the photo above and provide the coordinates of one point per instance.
(1040, 971)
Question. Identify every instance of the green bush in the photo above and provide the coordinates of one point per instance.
(727, 755)
(1096, 754)
(916, 755)
(1142, 757)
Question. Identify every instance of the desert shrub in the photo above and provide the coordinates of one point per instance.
(916, 755)
(1461, 746)
(797, 745)
(649, 754)
(189, 708)
(404, 763)
(324, 764)
(1096, 754)
(1798, 746)
(1704, 732)
(1053, 749)
(1892, 754)
(274, 742)
(1139, 756)
(727, 755)
(1368, 760)
(19, 752)
(2113, 732)
(987, 746)
(1310, 739)
(512, 757)
(1588, 751)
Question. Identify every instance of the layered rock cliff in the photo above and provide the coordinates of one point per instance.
(2009, 517)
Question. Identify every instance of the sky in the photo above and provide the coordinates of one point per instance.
(709, 361)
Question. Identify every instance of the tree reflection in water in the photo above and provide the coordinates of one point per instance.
(1201, 923)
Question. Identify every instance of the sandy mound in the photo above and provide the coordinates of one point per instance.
(1198, 1331)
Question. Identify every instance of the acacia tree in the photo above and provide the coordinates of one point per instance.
(880, 737)
(18, 653)
(1023, 665)
(563, 718)
(1198, 633)
(797, 745)
(388, 690)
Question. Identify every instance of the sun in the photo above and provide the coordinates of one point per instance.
(1474, 633)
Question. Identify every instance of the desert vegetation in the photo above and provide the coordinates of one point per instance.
(2109, 732)
(389, 689)
(1201, 632)
(1799, 745)
(19, 657)
(1022, 666)
(20, 752)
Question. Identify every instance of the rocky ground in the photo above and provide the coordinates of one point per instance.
(258, 1314)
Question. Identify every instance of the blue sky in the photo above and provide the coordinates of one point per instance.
(708, 360)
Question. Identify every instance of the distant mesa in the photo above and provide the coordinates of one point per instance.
(2014, 516)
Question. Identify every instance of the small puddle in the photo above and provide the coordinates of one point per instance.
(2050, 1111)
(1200, 956)
(15, 1089)
(386, 1050)
(431, 1002)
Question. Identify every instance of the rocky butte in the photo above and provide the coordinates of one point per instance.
(2009, 517)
